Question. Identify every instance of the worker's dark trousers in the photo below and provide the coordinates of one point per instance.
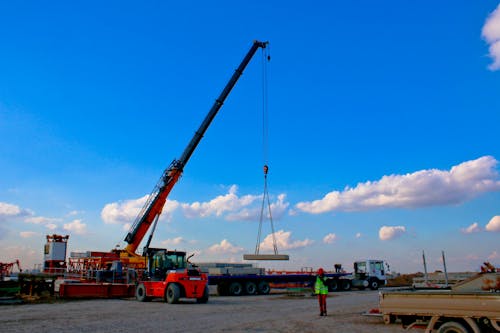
(322, 304)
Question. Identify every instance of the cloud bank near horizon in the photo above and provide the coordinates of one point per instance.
(423, 188)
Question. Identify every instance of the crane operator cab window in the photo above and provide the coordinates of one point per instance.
(161, 262)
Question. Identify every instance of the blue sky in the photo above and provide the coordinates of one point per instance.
(383, 125)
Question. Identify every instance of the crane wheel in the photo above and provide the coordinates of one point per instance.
(140, 293)
(173, 293)
(205, 296)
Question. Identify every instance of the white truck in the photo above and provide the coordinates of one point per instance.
(469, 306)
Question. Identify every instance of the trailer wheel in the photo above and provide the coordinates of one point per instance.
(374, 283)
(250, 288)
(173, 293)
(333, 285)
(235, 289)
(264, 288)
(140, 293)
(345, 285)
(204, 298)
(452, 327)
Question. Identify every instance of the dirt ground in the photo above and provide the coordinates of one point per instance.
(271, 313)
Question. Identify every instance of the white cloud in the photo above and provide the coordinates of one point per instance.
(225, 247)
(283, 241)
(278, 209)
(11, 211)
(76, 227)
(229, 202)
(494, 255)
(387, 232)
(41, 220)
(173, 241)
(359, 235)
(491, 33)
(494, 224)
(330, 238)
(29, 234)
(419, 189)
(474, 227)
(125, 212)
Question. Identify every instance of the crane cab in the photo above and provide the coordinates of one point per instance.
(170, 276)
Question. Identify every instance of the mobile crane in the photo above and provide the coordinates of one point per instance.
(168, 274)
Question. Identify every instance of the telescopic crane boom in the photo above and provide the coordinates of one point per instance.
(156, 200)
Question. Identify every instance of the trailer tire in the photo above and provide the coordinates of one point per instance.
(452, 327)
(374, 284)
(345, 285)
(333, 285)
(173, 293)
(264, 288)
(250, 288)
(235, 289)
(205, 296)
(140, 293)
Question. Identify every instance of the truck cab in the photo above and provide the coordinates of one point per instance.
(369, 273)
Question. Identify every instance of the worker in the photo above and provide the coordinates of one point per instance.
(321, 289)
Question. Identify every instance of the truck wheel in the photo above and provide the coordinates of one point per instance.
(140, 293)
(204, 298)
(333, 285)
(172, 294)
(452, 327)
(374, 284)
(250, 288)
(345, 285)
(235, 289)
(264, 288)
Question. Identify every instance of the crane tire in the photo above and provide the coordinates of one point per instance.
(140, 293)
(452, 327)
(205, 296)
(173, 293)
(374, 284)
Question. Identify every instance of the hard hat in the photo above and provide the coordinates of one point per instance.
(321, 271)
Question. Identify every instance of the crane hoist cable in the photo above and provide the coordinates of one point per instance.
(266, 202)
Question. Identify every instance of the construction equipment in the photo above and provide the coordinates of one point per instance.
(55, 254)
(6, 269)
(168, 273)
(159, 278)
(472, 305)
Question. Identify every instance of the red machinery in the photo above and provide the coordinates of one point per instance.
(6, 269)
(55, 254)
(163, 273)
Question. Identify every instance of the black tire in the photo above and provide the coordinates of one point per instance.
(140, 293)
(264, 288)
(235, 289)
(205, 296)
(452, 327)
(345, 285)
(173, 293)
(374, 284)
(333, 285)
(250, 288)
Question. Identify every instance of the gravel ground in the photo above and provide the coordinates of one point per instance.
(271, 313)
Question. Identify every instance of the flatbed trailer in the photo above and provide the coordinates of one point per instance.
(252, 284)
(470, 306)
